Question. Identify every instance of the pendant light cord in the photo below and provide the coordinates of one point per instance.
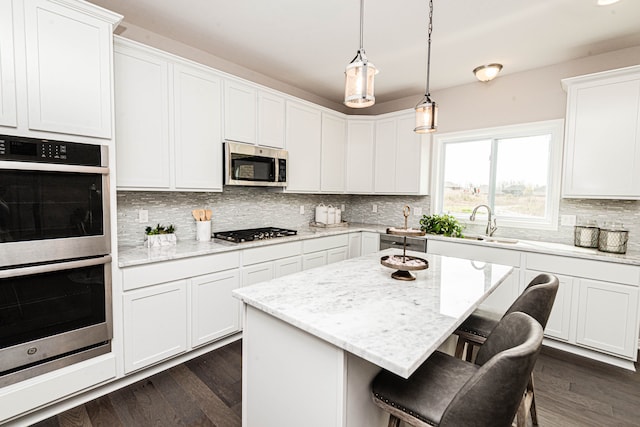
(430, 30)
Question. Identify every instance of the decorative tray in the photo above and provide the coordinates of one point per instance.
(405, 231)
(321, 225)
(404, 265)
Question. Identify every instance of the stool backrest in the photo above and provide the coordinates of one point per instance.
(538, 298)
(492, 395)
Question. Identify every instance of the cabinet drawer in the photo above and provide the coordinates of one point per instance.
(598, 270)
(271, 252)
(324, 243)
(160, 272)
(474, 252)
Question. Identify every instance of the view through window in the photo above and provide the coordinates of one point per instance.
(512, 172)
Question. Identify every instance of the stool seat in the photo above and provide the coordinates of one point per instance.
(481, 323)
(429, 391)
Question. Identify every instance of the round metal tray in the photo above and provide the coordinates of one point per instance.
(404, 271)
(405, 231)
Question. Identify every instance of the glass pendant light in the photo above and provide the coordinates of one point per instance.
(427, 110)
(359, 75)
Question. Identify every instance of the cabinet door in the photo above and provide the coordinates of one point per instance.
(240, 112)
(385, 156)
(7, 67)
(337, 254)
(257, 273)
(197, 128)
(411, 160)
(355, 245)
(602, 154)
(559, 323)
(303, 142)
(142, 118)
(334, 139)
(68, 70)
(607, 317)
(214, 311)
(370, 243)
(270, 120)
(315, 259)
(286, 266)
(360, 139)
(155, 324)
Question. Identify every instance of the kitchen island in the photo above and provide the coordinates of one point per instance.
(313, 341)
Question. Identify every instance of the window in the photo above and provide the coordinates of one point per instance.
(515, 170)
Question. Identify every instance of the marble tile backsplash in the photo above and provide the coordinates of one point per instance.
(246, 207)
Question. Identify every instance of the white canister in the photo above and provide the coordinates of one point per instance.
(338, 216)
(331, 215)
(203, 231)
(321, 214)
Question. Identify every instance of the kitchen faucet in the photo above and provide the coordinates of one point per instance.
(491, 227)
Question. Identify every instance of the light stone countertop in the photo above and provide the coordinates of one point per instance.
(138, 255)
(357, 306)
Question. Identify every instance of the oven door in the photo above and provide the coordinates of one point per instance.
(52, 311)
(52, 212)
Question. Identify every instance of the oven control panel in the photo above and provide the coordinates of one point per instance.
(22, 149)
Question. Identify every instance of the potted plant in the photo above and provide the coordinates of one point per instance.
(444, 224)
(160, 236)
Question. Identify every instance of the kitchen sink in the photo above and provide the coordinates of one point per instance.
(491, 239)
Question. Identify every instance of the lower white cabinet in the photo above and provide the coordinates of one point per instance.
(355, 244)
(313, 260)
(608, 317)
(257, 273)
(155, 320)
(215, 313)
(337, 254)
(370, 243)
(559, 323)
(286, 266)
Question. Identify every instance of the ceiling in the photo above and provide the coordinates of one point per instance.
(307, 44)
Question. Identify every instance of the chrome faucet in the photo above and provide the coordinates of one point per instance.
(491, 226)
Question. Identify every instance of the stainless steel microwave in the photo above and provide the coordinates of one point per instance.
(252, 165)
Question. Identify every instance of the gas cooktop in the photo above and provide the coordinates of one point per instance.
(251, 234)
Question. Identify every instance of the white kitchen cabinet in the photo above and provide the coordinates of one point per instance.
(257, 273)
(303, 142)
(215, 313)
(337, 254)
(559, 323)
(271, 119)
(355, 245)
(602, 145)
(370, 243)
(334, 140)
(286, 266)
(401, 156)
(68, 57)
(240, 112)
(155, 322)
(314, 259)
(360, 156)
(8, 108)
(608, 317)
(168, 121)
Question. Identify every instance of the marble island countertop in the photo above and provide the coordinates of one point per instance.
(137, 255)
(357, 306)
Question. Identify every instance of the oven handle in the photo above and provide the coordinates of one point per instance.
(56, 266)
(52, 167)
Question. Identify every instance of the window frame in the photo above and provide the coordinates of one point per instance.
(553, 127)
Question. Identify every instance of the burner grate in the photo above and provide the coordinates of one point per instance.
(251, 234)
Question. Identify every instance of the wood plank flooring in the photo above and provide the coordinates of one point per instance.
(206, 391)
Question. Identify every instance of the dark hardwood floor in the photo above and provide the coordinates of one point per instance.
(206, 391)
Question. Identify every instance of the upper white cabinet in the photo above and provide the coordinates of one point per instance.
(334, 139)
(55, 68)
(168, 121)
(602, 135)
(303, 142)
(360, 153)
(240, 112)
(271, 119)
(401, 156)
(8, 107)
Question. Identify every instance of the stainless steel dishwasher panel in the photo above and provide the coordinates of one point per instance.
(417, 244)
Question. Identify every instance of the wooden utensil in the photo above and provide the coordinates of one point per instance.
(196, 214)
(207, 214)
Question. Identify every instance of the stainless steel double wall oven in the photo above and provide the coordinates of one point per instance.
(55, 263)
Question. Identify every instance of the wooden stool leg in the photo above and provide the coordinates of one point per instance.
(521, 415)
(470, 348)
(532, 409)
(393, 421)
(459, 348)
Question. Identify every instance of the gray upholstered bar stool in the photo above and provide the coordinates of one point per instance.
(537, 301)
(447, 391)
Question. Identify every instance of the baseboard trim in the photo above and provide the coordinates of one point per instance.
(591, 354)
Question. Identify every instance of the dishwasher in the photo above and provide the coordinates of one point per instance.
(418, 244)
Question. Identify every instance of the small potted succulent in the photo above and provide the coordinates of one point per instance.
(444, 224)
(160, 236)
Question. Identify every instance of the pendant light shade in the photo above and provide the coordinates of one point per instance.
(427, 110)
(359, 76)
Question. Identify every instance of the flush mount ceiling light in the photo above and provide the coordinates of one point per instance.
(358, 76)
(484, 73)
(606, 2)
(427, 110)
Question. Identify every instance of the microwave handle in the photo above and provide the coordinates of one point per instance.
(52, 167)
(56, 266)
